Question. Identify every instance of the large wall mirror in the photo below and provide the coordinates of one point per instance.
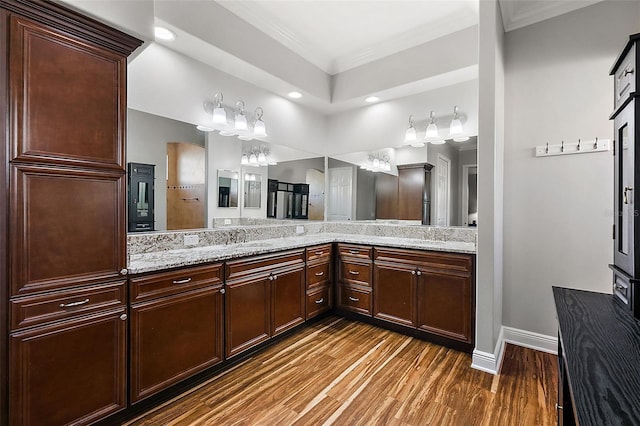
(228, 188)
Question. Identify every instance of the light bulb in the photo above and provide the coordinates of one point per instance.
(253, 159)
(244, 160)
(240, 123)
(219, 116)
(432, 131)
(262, 158)
(410, 135)
(259, 129)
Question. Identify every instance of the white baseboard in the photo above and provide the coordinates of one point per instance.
(531, 340)
(491, 362)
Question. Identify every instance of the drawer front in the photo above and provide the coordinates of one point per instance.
(318, 301)
(355, 273)
(319, 252)
(625, 77)
(34, 310)
(318, 274)
(355, 300)
(263, 265)
(173, 282)
(621, 289)
(427, 260)
(361, 252)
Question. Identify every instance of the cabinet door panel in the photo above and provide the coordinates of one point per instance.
(69, 372)
(288, 300)
(394, 293)
(247, 307)
(173, 338)
(68, 228)
(67, 97)
(444, 305)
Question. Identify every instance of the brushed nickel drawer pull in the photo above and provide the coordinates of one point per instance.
(354, 251)
(319, 301)
(319, 253)
(619, 287)
(353, 299)
(628, 71)
(72, 304)
(559, 407)
(319, 274)
(354, 272)
(184, 281)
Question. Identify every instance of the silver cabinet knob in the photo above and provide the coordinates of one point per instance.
(275, 277)
(413, 272)
(270, 277)
(223, 291)
(124, 271)
(418, 273)
(123, 317)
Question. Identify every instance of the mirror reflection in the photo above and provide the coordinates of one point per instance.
(252, 190)
(227, 188)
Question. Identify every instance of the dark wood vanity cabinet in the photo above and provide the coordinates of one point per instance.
(265, 296)
(319, 280)
(354, 284)
(176, 327)
(431, 291)
(63, 228)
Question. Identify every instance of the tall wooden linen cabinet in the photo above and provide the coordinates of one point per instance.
(62, 221)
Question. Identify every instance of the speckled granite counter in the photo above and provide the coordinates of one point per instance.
(159, 260)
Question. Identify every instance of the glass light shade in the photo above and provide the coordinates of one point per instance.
(410, 135)
(417, 144)
(262, 158)
(432, 131)
(376, 163)
(219, 116)
(455, 128)
(253, 159)
(244, 160)
(259, 129)
(240, 123)
(245, 137)
(226, 133)
(205, 128)
(461, 139)
(438, 142)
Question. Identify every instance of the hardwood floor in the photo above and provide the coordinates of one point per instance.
(348, 373)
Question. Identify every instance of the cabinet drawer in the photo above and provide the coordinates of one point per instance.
(174, 282)
(34, 310)
(625, 78)
(263, 265)
(362, 252)
(319, 252)
(355, 272)
(318, 274)
(318, 301)
(355, 300)
(622, 288)
(426, 260)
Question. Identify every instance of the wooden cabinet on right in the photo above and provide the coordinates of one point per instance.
(430, 291)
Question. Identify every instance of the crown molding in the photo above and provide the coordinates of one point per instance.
(275, 29)
(518, 13)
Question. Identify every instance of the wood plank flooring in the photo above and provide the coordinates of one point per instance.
(339, 372)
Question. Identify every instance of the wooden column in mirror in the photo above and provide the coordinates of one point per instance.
(64, 114)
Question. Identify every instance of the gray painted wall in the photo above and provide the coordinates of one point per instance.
(295, 171)
(147, 137)
(557, 210)
(365, 195)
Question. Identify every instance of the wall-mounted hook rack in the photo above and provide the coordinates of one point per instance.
(579, 147)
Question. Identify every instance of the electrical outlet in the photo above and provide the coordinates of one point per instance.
(227, 221)
(299, 229)
(191, 240)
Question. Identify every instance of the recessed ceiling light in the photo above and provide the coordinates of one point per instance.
(164, 33)
(372, 99)
(295, 95)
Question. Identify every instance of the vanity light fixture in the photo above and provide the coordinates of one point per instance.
(410, 134)
(163, 33)
(256, 157)
(294, 95)
(455, 128)
(372, 99)
(240, 127)
(377, 163)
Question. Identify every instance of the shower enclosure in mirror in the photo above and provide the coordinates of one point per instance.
(227, 188)
(141, 190)
(252, 190)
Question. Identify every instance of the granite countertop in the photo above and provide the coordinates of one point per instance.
(156, 261)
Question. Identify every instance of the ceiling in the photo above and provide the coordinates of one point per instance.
(340, 35)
